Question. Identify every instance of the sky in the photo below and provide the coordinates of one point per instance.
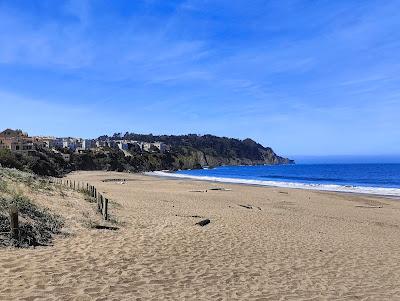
(304, 77)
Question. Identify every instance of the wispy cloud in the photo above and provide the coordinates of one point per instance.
(204, 63)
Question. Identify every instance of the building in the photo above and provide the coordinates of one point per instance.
(153, 146)
(69, 143)
(106, 143)
(46, 142)
(16, 141)
(162, 147)
(58, 143)
(4, 143)
(86, 144)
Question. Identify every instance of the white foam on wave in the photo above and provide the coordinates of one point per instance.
(323, 187)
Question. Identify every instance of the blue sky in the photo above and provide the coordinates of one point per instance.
(304, 77)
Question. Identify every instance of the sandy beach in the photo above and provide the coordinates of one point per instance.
(262, 244)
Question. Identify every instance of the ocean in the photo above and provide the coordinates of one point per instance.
(381, 179)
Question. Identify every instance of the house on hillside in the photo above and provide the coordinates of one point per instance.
(70, 143)
(87, 144)
(16, 141)
(155, 146)
(46, 142)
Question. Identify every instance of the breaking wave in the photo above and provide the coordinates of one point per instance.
(322, 187)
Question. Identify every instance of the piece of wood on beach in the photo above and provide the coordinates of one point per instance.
(204, 222)
(197, 190)
(366, 206)
(246, 206)
(105, 227)
(220, 189)
(194, 216)
(284, 192)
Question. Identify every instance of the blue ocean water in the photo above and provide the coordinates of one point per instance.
(371, 175)
(365, 178)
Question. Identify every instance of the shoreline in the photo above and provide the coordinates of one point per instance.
(362, 191)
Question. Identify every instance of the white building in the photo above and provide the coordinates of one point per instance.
(70, 143)
(86, 144)
(161, 146)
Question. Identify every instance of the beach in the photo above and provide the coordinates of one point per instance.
(262, 243)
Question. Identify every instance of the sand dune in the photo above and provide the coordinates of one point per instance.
(295, 245)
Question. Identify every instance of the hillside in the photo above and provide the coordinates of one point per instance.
(195, 151)
(184, 152)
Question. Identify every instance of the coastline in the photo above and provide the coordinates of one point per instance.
(392, 193)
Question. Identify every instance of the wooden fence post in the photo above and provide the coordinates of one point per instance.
(105, 209)
(14, 222)
(98, 203)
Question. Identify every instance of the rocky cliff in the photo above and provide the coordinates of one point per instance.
(196, 151)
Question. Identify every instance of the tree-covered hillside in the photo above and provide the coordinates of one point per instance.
(186, 152)
(211, 150)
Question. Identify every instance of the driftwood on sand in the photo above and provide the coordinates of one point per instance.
(249, 206)
(204, 222)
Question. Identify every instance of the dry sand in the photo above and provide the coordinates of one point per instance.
(292, 245)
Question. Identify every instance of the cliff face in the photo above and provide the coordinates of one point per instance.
(193, 151)
(198, 159)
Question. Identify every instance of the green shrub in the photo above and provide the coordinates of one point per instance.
(37, 225)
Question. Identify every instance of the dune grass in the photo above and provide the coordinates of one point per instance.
(37, 225)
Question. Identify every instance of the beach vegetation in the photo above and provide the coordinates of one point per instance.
(37, 225)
